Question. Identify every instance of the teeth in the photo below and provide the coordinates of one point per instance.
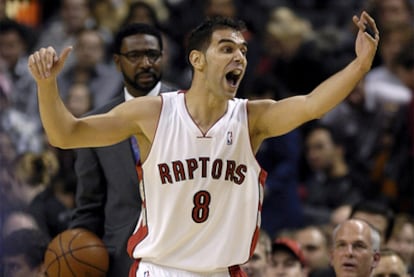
(236, 72)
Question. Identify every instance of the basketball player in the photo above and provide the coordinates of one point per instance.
(202, 193)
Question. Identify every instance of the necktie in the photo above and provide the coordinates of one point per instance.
(135, 149)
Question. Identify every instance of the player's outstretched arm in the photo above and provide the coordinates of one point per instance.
(61, 127)
(335, 89)
(278, 117)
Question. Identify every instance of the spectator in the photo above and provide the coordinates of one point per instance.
(52, 208)
(34, 189)
(14, 45)
(73, 16)
(259, 261)
(110, 14)
(90, 67)
(355, 249)
(390, 264)
(25, 131)
(23, 253)
(391, 12)
(396, 12)
(402, 240)
(286, 259)
(315, 246)
(360, 129)
(292, 53)
(331, 182)
(15, 220)
(143, 12)
(31, 177)
(79, 100)
(378, 214)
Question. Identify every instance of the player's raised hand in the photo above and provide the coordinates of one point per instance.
(45, 63)
(367, 39)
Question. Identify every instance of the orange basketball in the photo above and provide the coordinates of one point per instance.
(76, 252)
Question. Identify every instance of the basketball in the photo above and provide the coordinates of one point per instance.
(78, 253)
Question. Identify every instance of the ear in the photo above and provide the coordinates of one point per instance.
(116, 61)
(377, 257)
(197, 59)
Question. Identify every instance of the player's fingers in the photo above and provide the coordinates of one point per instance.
(355, 19)
(50, 58)
(366, 24)
(36, 64)
(372, 25)
(65, 53)
(44, 55)
(32, 65)
(360, 22)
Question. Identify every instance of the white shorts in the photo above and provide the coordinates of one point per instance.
(146, 269)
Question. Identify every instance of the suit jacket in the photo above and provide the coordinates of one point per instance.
(107, 195)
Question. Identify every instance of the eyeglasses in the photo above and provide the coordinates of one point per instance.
(137, 56)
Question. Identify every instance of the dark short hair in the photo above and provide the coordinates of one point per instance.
(200, 38)
(334, 133)
(377, 208)
(142, 5)
(31, 243)
(135, 29)
(9, 25)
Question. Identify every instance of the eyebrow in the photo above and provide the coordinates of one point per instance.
(351, 242)
(226, 40)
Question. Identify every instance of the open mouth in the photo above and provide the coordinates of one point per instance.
(233, 77)
(348, 266)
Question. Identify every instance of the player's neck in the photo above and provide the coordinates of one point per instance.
(205, 109)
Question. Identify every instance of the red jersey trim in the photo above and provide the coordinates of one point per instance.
(133, 269)
(236, 271)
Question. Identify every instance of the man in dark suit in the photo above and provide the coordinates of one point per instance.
(107, 197)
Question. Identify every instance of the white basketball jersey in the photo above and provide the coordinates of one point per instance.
(201, 193)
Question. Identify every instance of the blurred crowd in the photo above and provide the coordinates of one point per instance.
(361, 152)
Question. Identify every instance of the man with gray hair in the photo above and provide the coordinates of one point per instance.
(355, 249)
